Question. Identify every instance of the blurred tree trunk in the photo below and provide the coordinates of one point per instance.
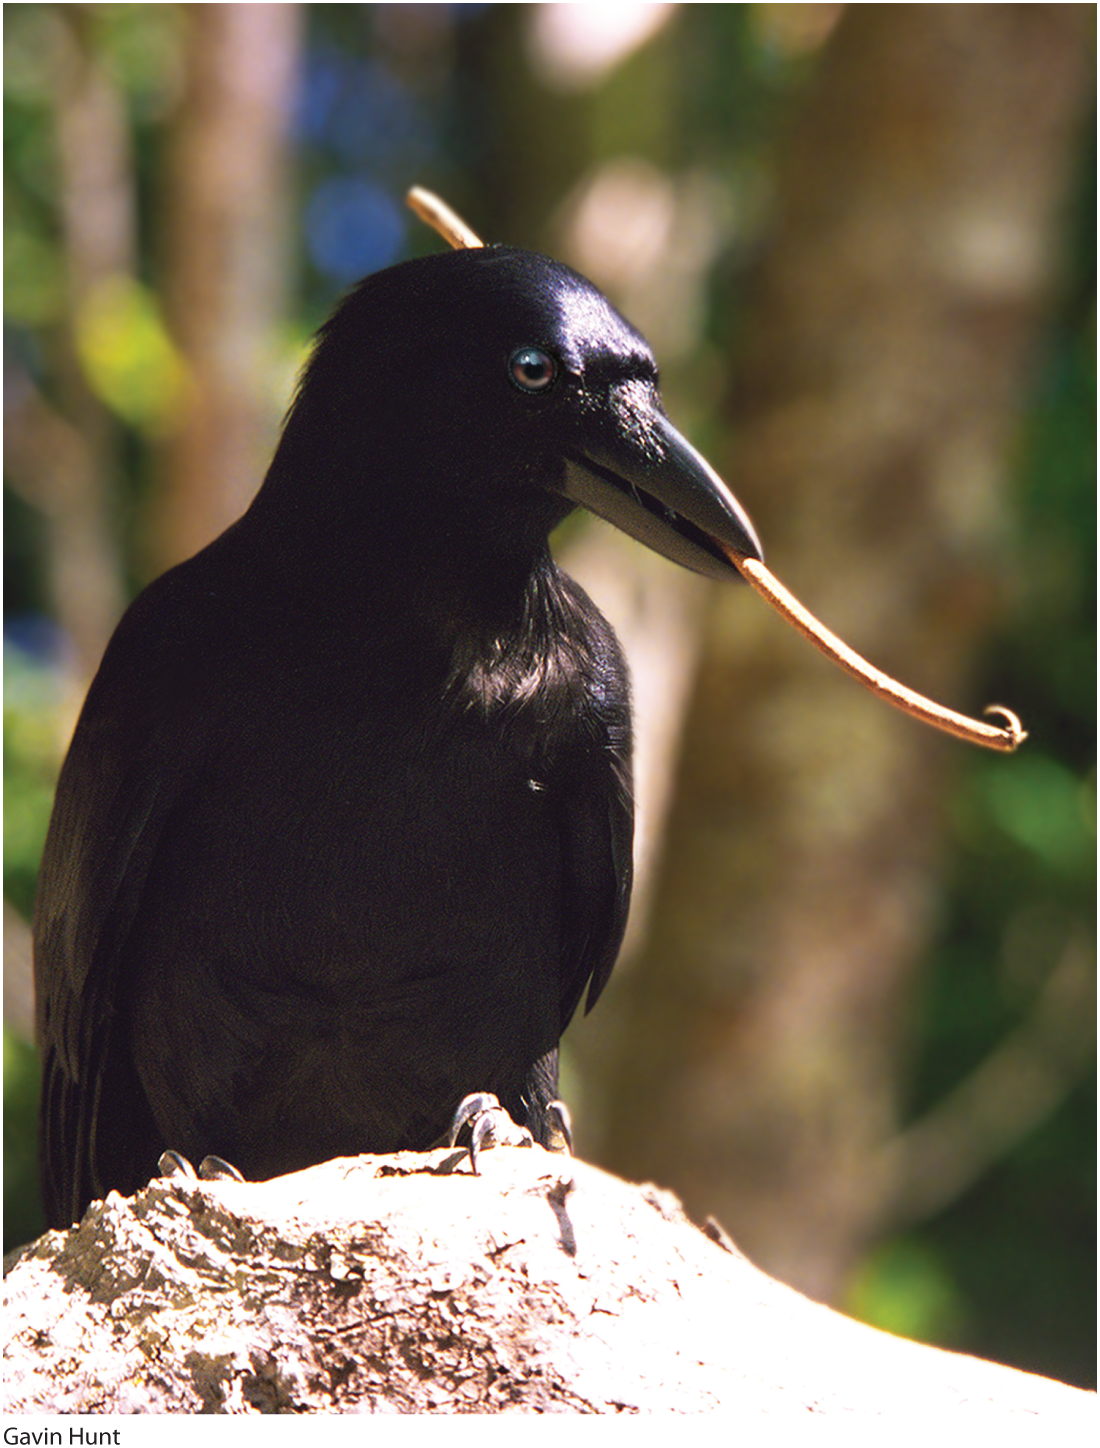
(61, 452)
(759, 1038)
(226, 226)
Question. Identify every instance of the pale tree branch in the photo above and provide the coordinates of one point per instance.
(405, 1284)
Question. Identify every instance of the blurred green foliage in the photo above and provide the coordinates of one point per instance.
(904, 1287)
(31, 762)
(1008, 1269)
(32, 757)
(23, 1219)
(128, 358)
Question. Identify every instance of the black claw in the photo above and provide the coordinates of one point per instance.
(175, 1164)
(470, 1106)
(490, 1125)
(480, 1135)
(560, 1127)
(211, 1168)
(214, 1169)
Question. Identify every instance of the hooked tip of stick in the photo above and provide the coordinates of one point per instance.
(441, 218)
(1014, 731)
(1006, 738)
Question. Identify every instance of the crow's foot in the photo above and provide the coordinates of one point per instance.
(489, 1123)
(211, 1168)
(561, 1127)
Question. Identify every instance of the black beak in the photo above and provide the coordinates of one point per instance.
(651, 483)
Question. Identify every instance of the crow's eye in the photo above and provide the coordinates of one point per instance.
(532, 369)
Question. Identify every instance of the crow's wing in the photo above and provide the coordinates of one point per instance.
(598, 829)
(128, 763)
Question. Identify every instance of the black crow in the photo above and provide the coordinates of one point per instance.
(344, 832)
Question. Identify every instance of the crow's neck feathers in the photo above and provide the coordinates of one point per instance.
(540, 659)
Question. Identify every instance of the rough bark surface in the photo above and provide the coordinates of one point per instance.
(406, 1284)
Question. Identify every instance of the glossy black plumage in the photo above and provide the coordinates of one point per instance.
(344, 832)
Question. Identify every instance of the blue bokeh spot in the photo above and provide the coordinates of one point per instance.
(353, 227)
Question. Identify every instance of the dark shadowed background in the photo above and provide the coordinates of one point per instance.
(855, 1016)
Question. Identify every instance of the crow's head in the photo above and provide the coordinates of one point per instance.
(469, 379)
